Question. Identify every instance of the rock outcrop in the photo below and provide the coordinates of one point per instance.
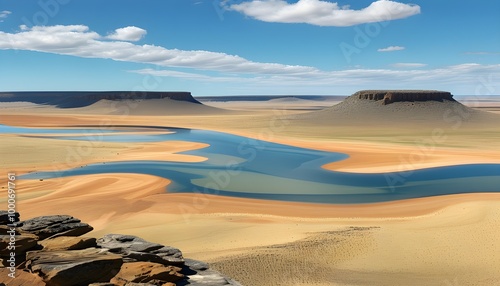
(54, 226)
(390, 96)
(50, 251)
(147, 272)
(134, 249)
(67, 243)
(75, 267)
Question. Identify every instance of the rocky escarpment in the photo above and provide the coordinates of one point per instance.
(50, 250)
(73, 99)
(390, 96)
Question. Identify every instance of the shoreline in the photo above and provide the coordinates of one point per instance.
(364, 157)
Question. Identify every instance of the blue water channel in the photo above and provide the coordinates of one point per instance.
(243, 167)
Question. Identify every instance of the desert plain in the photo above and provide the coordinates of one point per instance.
(437, 240)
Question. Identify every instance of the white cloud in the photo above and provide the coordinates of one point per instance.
(130, 33)
(206, 66)
(323, 13)
(391, 49)
(4, 14)
(463, 74)
(78, 40)
(408, 65)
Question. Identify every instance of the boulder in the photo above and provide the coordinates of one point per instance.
(74, 267)
(147, 272)
(133, 248)
(67, 243)
(55, 225)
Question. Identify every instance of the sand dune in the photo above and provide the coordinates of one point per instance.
(427, 241)
(164, 107)
(448, 240)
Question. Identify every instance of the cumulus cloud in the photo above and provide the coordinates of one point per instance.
(408, 65)
(391, 49)
(130, 34)
(323, 13)
(78, 40)
(4, 14)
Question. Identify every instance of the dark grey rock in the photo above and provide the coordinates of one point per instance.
(120, 243)
(195, 264)
(5, 218)
(54, 226)
(133, 248)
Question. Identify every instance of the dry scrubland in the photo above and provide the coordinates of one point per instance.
(450, 240)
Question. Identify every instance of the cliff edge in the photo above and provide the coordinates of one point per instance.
(390, 96)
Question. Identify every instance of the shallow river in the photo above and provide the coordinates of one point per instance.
(243, 167)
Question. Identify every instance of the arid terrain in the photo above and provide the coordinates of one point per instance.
(439, 240)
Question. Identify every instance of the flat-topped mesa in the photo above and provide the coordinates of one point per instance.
(72, 99)
(390, 96)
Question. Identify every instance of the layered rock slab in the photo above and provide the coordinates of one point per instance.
(55, 225)
(75, 267)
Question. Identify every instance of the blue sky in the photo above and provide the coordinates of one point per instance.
(232, 47)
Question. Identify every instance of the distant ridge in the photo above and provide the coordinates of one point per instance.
(265, 97)
(74, 99)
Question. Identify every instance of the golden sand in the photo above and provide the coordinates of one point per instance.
(445, 240)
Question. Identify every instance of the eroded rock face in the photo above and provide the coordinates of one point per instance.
(22, 243)
(390, 96)
(147, 272)
(74, 267)
(67, 243)
(18, 245)
(133, 248)
(51, 253)
(55, 225)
